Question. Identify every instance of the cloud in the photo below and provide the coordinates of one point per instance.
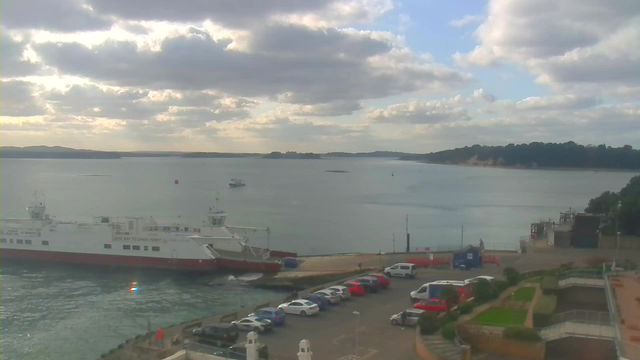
(351, 66)
(54, 15)
(419, 112)
(242, 14)
(12, 57)
(16, 99)
(586, 45)
(404, 22)
(335, 108)
(543, 103)
(467, 20)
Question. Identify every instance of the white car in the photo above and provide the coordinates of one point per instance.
(481, 277)
(343, 291)
(300, 307)
(253, 323)
(331, 295)
(404, 270)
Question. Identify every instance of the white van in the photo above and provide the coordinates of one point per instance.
(432, 290)
(405, 270)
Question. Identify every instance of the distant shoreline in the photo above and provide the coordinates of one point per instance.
(532, 168)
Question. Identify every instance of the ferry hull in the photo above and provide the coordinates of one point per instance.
(211, 265)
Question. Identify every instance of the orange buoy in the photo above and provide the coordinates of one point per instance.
(160, 334)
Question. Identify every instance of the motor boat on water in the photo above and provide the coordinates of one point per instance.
(236, 183)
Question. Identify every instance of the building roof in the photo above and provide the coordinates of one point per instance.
(468, 248)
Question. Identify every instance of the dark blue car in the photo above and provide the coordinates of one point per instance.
(277, 316)
(322, 302)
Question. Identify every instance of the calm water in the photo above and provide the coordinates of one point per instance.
(66, 313)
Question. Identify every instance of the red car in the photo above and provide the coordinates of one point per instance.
(384, 281)
(435, 305)
(355, 288)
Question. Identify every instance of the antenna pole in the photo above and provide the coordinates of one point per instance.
(408, 236)
(462, 236)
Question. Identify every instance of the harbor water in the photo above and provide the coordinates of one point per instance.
(66, 312)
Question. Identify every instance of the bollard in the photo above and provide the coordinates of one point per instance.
(252, 346)
(465, 353)
(304, 352)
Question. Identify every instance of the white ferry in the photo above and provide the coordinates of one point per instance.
(135, 242)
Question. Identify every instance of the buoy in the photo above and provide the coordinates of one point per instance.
(160, 334)
(176, 182)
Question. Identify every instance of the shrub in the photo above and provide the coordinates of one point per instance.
(628, 265)
(498, 287)
(549, 285)
(483, 291)
(466, 307)
(450, 295)
(449, 331)
(521, 333)
(450, 317)
(428, 323)
(543, 310)
(512, 275)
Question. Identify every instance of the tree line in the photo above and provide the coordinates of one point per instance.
(621, 207)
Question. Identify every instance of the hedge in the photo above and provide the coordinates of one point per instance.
(521, 333)
(450, 317)
(429, 323)
(449, 331)
(549, 285)
(543, 310)
(466, 307)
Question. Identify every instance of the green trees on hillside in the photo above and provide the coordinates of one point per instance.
(623, 206)
(538, 154)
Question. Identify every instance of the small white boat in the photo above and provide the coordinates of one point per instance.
(236, 183)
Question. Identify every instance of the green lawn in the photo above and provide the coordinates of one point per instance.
(535, 280)
(524, 294)
(499, 316)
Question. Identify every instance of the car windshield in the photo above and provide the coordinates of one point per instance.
(308, 303)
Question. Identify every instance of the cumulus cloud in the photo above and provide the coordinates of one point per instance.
(591, 45)
(354, 66)
(53, 15)
(335, 108)
(543, 103)
(419, 112)
(17, 99)
(12, 57)
(467, 20)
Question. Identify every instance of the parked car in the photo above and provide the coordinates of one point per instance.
(384, 280)
(217, 335)
(371, 284)
(332, 296)
(411, 319)
(343, 291)
(432, 290)
(322, 302)
(300, 307)
(405, 270)
(275, 315)
(431, 305)
(355, 288)
(239, 352)
(253, 323)
(479, 278)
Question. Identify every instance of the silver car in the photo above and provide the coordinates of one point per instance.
(411, 319)
(332, 296)
(343, 291)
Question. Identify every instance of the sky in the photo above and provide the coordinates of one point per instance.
(318, 75)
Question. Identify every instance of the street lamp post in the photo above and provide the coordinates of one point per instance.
(617, 233)
(357, 313)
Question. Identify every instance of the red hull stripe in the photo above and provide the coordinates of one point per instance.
(140, 261)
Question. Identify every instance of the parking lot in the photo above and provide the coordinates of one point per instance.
(333, 332)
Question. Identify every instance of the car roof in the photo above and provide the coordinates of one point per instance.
(337, 287)
(415, 310)
(447, 282)
(352, 282)
(402, 264)
(220, 326)
(268, 309)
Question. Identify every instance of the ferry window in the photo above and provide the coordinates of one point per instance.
(136, 247)
(105, 220)
(11, 241)
(28, 242)
(146, 248)
(45, 242)
(126, 247)
(19, 241)
(186, 228)
(107, 246)
(3, 240)
(130, 224)
(155, 248)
